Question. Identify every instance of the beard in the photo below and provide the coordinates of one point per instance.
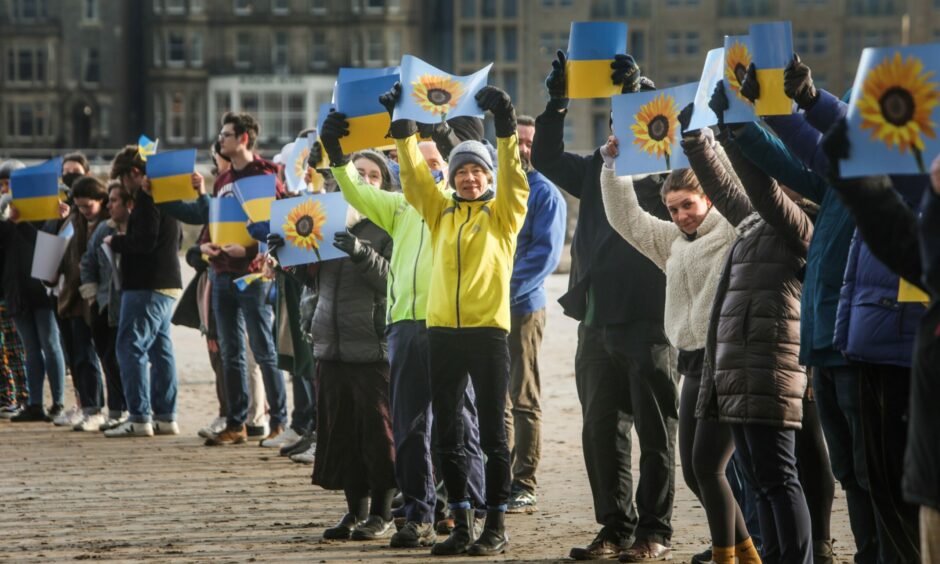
(526, 164)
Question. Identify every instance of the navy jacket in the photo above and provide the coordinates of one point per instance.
(829, 249)
(538, 246)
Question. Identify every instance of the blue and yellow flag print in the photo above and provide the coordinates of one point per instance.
(772, 45)
(227, 222)
(35, 190)
(591, 48)
(255, 193)
(170, 175)
(146, 147)
(368, 119)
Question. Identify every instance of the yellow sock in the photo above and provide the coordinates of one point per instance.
(723, 554)
(747, 552)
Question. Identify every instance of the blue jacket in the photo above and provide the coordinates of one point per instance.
(829, 249)
(538, 246)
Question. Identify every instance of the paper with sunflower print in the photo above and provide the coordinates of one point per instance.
(430, 95)
(702, 115)
(295, 162)
(647, 126)
(772, 45)
(737, 58)
(307, 224)
(894, 111)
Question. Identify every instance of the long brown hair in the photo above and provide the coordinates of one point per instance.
(92, 188)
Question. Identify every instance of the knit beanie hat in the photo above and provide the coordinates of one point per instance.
(468, 152)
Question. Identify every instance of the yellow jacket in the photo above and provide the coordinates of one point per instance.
(473, 242)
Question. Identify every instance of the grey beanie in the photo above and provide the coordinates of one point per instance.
(468, 152)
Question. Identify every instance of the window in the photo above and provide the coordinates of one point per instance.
(394, 45)
(223, 102)
(511, 84)
(176, 7)
(196, 116)
(488, 44)
(197, 6)
(175, 49)
(511, 9)
(90, 13)
(296, 113)
(468, 8)
(746, 8)
(620, 8)
(177, 118)
(242, 7)
(672, 43)
(29, 9)
(91, 68)
(157, 50)
(638, 44)
(691, 43)
(243, 50)
(375, 52)
(104, 119)
(564, 3)
(158, 113)
(510, 44)
(195, 56)
(280, 7)
(374, 6)
(25, 65)
(25, 119)
(279, 51)
(40, 65)
(468, 44)
(874, 7)
(489, 9)
(318, 6)
(11, 65)
(801, 41)
(601, 126)
(820, 42)
(319, 52)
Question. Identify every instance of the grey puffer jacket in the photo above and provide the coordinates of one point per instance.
(349, 320)
(752, 371)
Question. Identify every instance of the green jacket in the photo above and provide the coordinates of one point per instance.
(410, 273)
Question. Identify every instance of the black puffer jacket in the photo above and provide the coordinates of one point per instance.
(349, 321)
(753, 374)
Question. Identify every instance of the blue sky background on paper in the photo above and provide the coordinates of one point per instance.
(703, 116)
(335, 207)
(412, 68)
(595, 41)
(738, 110)
(632, 160)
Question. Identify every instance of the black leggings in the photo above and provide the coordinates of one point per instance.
(705, 447)
(812, 458)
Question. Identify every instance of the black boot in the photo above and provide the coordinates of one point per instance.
(460, 538)
(493, 539)
(31, 413)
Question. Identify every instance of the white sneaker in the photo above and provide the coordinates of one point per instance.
(9, 411)
(165, 427)
(287, 438)
(130, 429)
(111, 423)
(69, 418)
(90, 422)
(214, 428)
(306, 457)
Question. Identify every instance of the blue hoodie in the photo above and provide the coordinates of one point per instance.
(538, 246)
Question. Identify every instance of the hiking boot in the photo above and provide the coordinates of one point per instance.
(460, 538)
(30, 413)
(374, 527)
(601, 548)
(414, 535)
(493, 540)
(229, 436)
(130, 429)
(523, 502)
(342, 530)
(646, 551)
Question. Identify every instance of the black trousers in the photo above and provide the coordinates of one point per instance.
(105, 339)
(884, 399)
(626, 377)
(483, 354)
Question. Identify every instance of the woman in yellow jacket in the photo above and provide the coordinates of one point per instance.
(473, 237)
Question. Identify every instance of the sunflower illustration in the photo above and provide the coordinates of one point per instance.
(737, 60)
(304, 226)
(896, 103)
(300, 163)
(656, 126)
(437, 94)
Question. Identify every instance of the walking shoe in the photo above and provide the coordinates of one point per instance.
(445, 525)
(522, 502)
(9, 411)
(704, 557)
(30, 413)
(112, 423)
(460, 538)
(287, 438)
(165, 427)
(374, 527)
(306, 457)
(646, 551)
(276, 432)
(69, 418)
(258, 430)
(54, 411)
(302, 445)
(601, 548)
(414, 535)
(130, 429)
(493, 540)
(342, 530)
(228, 436)
(214, 428)
(90, 422)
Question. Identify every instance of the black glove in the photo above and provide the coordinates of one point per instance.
(798, 83)
(275, 242)
(719, 102)
(351, 245)
(334, 128)
(316, 154)
(835, 145)
(402, 128)
(685, 117)
(750, 88)
(497, 101)
(195, 260)
(626, 72)
(557, 82)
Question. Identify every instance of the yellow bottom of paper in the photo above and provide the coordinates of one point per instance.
(908, 292)
(258, 209)
(172, 188)
(366, 132)
(230, 233)
(772, 101)
(37, 209)
(590, 79)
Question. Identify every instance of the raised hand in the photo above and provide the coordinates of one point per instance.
(351, 245)
(718, 103)
(275, 242)
(685, 117)
(334, 128)
(798, 83)
(750, 88)
(557, 79)
(390, 98)
(497, 101)
(626, 73)
(402, 128)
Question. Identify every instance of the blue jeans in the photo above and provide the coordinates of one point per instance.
(86, 370)
(41, 339)
(144, 336)
(304, 415)
(235, 312)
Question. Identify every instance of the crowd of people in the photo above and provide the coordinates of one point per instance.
(759, 278)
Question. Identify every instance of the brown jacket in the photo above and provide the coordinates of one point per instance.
(752, 371)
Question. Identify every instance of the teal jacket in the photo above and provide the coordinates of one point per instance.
(410, 272)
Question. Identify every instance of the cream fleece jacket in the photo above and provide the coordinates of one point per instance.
(692, 267)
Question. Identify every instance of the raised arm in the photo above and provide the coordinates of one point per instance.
(418, 185)
(720, 184)
(565, 170)
(647, 233)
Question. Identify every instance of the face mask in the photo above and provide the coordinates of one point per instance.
(70, 177)
(438, 175)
